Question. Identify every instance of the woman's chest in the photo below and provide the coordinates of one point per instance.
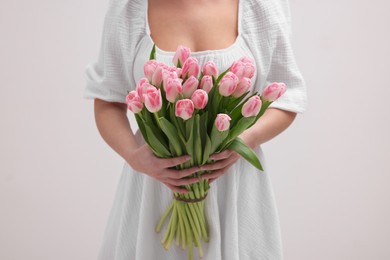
(200, 25)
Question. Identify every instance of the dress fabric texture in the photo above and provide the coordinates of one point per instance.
(240, 207)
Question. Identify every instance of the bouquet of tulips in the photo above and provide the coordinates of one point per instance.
(184, 109)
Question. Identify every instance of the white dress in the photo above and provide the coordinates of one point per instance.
(240, 206)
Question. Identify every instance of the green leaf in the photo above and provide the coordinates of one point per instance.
(141, 127)
(207, 150)
(246, 152)
(190, 136)
(171, 132)
(217, 138)
(153, 53)
(233, 102)
(155, 144)
(240, 127)
(197, 141)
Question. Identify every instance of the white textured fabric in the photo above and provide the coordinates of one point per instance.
(240, 207)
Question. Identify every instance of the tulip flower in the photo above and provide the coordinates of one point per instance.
(243, 86)
(190, 68)
(199, 98)
(243, 68)
(189, 86)
(157, 77)
(273, 91)
(209, 68)
(251, 107)
(149, 68)
(142, 85)
(153, 99)
(206, 83)
(134, 102)
(181, 55)
(173, 89)
(168, 75)
(222, 122)
(184, 108)
(228, 84)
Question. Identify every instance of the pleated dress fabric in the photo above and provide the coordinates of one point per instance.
(240, 207)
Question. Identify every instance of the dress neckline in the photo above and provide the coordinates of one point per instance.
(196, 53)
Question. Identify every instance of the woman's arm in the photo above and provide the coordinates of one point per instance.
(272, 123)
(114, 127)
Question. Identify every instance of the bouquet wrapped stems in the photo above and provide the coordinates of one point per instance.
(187, 223)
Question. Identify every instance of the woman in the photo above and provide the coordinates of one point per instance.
(240, 206)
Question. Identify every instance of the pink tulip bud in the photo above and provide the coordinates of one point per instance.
(153, 99)
(199, 98)
(142, 86)
(182, 54)
(209, 68)
(243, 67)
(157, 77)
(149, 68)
(134, 102)
(251, 107)
(184, 108)
(190, 68)
(173, 89)
(273, 91)
(206, 83)
(228, 84)
(189, 86)
(222, 122)
(243, 86)
(168, 75)
(246, 59)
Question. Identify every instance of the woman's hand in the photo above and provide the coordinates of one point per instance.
(143, 160)
(223, 161)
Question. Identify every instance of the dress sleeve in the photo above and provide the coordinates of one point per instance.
(284, 68)
(108, 78)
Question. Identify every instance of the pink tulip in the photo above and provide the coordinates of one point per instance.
(153, 99)
(246, 59)
(189, 86)
(206, 83)
(149, 68)
(228, 84)
(243, 86)
(142, 86)
(173, 89)
(222, 122)
(199, 98)
(184, 108)
(251, 107)
(157, 77)
(243, 68)
(273, 91)
(190, 68)
(182, 54)
(168, 75)
(209, 68)
(134, 102)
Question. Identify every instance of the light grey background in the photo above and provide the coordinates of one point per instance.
(330, 169)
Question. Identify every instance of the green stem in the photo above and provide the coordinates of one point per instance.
(162, 220)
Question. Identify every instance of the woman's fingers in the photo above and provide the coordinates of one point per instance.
(220, 156)
(181, 182)
(171, 162)
(219, 164)
(214, 175)
(176, 189)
